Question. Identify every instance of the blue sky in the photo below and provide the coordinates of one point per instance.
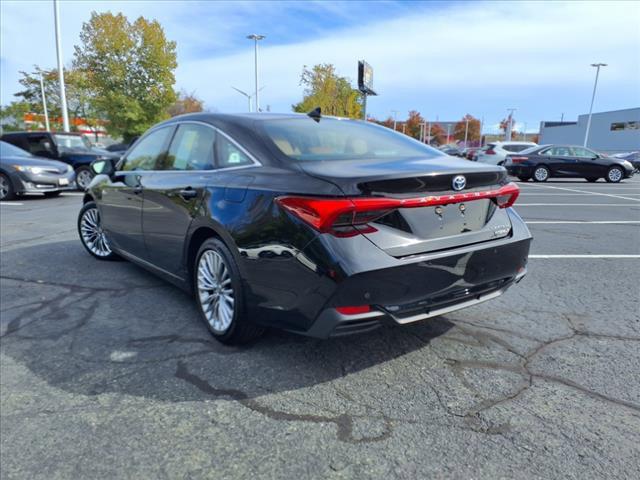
(444, 59)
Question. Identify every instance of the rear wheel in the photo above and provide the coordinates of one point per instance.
(541, 174)
(83, 177)
(524, 179)
(219, 294)
(51, 194)
(91, 234)
(592, 179)
(6, 188)
(614, 175)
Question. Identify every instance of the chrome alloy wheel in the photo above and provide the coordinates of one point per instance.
(541, 174)
(4, 187)
(92, 234)
(83, 178)
(215, 291)
(615, 175)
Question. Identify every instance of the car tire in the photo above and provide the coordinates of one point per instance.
(524, 179)
(83, 177)
(614, 175)
(219, 295)
(51, 194)
(7, 192)
(592, 179)
(92, 236)
(541, 174)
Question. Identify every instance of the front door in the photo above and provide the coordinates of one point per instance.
(587, 163)
(122, 200)
(174, 193)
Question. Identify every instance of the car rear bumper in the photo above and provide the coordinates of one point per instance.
(303, 292)
(520, 170)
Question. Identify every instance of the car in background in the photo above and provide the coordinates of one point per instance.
(317, 225)
(122, 146)
(567, 161)
(633, 157)
(495, 153)
(469, 152)
(450, 149)
(21, 173)
(71, 148)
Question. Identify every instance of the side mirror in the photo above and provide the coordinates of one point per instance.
(103, 167)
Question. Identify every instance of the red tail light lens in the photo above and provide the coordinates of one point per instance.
(328, 214)
(491, 151)
(354, 310)
(518, 159)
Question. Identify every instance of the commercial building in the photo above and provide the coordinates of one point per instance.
(610, 132)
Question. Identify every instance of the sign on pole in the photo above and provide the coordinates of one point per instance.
(365, 83)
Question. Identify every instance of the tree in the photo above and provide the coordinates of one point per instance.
(324, 88)
(11, 116)
(472, 132)
(185, 103)
(438, 135)
(131, 69)
(504, 125)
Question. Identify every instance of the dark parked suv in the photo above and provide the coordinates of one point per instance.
(316, 225)
(70, 148)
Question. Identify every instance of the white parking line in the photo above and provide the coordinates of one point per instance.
(587, 192)
(73, 194)
(584, 256)
(576, 205)
(595, 222)
(11, 203)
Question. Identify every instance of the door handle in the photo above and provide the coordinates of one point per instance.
(188, 193)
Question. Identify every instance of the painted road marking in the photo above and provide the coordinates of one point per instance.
(11, 203)
(595, 222)
(584, 256)
(592, 193)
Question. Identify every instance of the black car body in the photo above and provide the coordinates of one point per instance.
(327, 230)
(21, 172)
(631, 157)
(70, 148)
(566, 161)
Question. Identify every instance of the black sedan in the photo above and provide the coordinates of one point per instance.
(21, 172)
(566, 161)
(316, 225)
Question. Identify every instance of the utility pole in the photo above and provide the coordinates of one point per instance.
(524, 132)
(593, 97)
(429, 133)
(395, 113)
(448, 133)
(422, 125)
(255, 37)
(481, 125)
(44, 102)
(509, 124)
(63, 96)
(562, 117)
(466, 130)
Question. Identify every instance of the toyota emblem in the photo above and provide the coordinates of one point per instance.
(459, 183)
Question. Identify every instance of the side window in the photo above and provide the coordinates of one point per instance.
(560, 152)
(516, 148)
(40, 145)
(229, 155)
(583, 152)
(191, 149)
(145, 155)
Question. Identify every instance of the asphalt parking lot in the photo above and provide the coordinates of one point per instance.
(106, 371)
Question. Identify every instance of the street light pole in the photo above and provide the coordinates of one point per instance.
(593, 97)
(44, 103)
(509, 124)
(395, 113)
(255, 37)
(63, 96)
(466, 131)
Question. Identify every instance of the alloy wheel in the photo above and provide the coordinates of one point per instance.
(83, 178)
(215, 291)
(4, 187)
(615, 175)
(92, 234)
(541, 174)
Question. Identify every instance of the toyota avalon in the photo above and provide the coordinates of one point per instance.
(318, 225)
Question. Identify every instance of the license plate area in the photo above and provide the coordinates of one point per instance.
(63, 181)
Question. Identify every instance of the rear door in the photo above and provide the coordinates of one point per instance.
(174, 193)
(561, 161)
(122, 200)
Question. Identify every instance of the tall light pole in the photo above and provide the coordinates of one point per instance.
(395, 113)
(244, 94)
(593, 97)
(255, 37)
(509, 124)
(422, 133)
(466, 130)
(44, 101)
(481, 126)
(63, 96)
(429, 132)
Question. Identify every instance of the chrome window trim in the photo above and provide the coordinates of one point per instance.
(255, 163)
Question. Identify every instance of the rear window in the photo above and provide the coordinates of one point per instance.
(304, 139)
(515, 148)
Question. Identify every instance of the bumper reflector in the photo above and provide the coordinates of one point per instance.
(353, 310)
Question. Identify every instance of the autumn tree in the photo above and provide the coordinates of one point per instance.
(131, 69)
(438, 135)
(324, 88)
(412, 124)
(185, 103)
(504, 125)
(468, 127)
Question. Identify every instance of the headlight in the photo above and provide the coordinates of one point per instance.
(27, 168)
(628, 164)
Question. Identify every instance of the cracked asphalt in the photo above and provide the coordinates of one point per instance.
(107, 372)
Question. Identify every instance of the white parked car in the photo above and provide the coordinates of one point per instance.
(496, 152)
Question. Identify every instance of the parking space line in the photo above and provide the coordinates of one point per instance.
(595, 222)
(11, 203)
(584, 256)
(73, 194)
(587, 192)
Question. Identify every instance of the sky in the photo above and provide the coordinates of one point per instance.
(444, 59)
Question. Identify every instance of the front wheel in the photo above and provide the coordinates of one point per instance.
(91, 234)
(219, 294)
(7, 191)
(541, 174)
(614, 175)
(83, 177)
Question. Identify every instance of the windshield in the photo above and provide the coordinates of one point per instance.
(74, 142)
(304, 139)
(530, 149)
(8, 150)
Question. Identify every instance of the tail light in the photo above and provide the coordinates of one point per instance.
(348, 216)
(491, 151)
(518, 159)
(354, 310)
